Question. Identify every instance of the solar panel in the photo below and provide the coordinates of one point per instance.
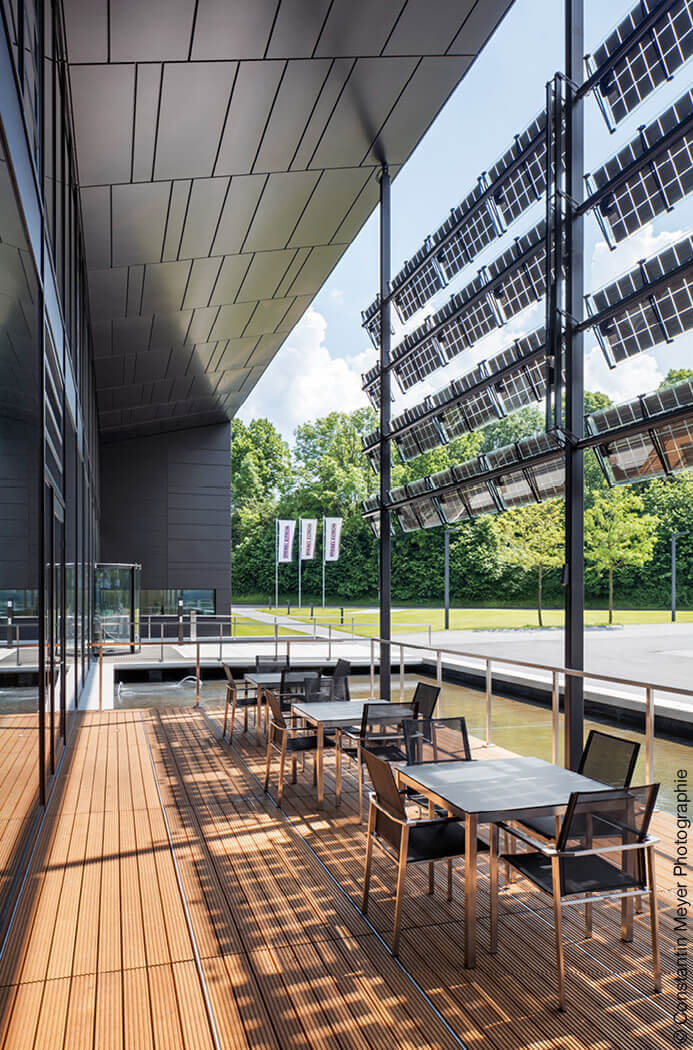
(526, 182)
(422, 286)
(453, 507)
(471, 238)
(549, 478)
(645, 65)
(515, 490)
(479, 499)
(658, 184)
(658, 316)
(518, 276)
(426, 358)
(419, 439)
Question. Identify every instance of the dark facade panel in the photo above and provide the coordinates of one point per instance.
(166, 503)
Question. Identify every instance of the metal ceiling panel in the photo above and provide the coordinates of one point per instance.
(349, 135)
(424, 28)
(251, 103)
(156, 31)
(102, 105)
(358, 27)
(297, 27)
(227, 156)
(186, 145)
(281, 206)
(139, 222)
(232, 30)
(264, 275)
(242, 199)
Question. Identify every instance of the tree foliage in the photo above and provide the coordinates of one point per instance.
(618, 532)
(533, 538)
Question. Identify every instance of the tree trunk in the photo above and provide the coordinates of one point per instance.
(541, 622)
(611, 594)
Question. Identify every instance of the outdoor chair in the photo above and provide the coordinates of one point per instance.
(246, 700)
(267, 665)
(602, 852)
(287, 737)
(426, 698)
(436, 740)
(293, 686)
(317, 689)
(606, 758)
(339, 680)
(405, 840)
(381, 733)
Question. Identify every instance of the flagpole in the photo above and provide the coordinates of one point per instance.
(300, 554)
(323, 562)
(276, 563)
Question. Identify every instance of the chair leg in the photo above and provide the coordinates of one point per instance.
(369, 861)
(588, 920)
(233, 719)
(226, 715)
(401, 873)
(268, 760)
(557, 917)
(294, 762)
(654, 921)
(282, 763)
(359, 761)
(245, 719)
(493, 879)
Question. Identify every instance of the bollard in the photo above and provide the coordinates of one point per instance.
(341, 616)
(429, 634)
(288, 608)
(312, 611)
(353, 633)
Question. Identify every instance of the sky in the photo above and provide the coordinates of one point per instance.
(319, 367)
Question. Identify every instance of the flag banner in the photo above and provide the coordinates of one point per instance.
(333, 536)
(285, 540)
(309, 527)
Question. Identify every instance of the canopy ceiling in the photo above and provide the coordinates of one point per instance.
(227, 154)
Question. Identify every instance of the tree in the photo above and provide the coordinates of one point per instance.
(618, 532)
(674, 376)
(260, 462)
(532, 538)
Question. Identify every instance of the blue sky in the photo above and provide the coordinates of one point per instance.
(319, 367)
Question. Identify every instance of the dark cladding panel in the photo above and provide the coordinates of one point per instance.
(165, 503)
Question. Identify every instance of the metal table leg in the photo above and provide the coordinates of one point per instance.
(470, 825)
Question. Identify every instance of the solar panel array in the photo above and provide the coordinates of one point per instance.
(662, 448)
(651, 304)
(496, 387)
(642, 181)
(644, 65)
(515, 182)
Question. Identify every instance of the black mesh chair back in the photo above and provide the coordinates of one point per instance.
(618, 817)
(275, 708)
(266, 665)
(609, 759)
(315, 689)
(382, 720)
(426, 698)
(342, 668)
(294, 682)
(340, 681)
(388, 797)
(436, 740)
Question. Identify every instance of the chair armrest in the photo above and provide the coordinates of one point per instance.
(542, 847)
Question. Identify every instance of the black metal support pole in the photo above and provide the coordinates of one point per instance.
(673, 577)
(575, 394)
(385, 412)
(447, 579)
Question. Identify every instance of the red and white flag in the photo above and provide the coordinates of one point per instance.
(285, 540)
(333, 537)
(309, 527)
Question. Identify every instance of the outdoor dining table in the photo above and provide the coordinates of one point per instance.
(489, 791)
(330, 714)
(262, 680)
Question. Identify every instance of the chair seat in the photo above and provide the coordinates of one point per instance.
(309, 742)
(246, 701)
(437, 841)
(544, 826)
(578, 874)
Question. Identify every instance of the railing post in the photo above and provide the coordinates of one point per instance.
(372, 667)
(221, 636)
(554, 719)
(401, 672)
(649, 734)
(329, 642)
(149, 628)
(288, 651)
(439, 668)
(315, 629)
(276, 639)
(16, 642)
(162, 642)
(429, 634)
(489, 695)
(197, 673)
(101, 673)
(353, 633)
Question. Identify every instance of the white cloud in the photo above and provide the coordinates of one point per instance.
(304, 382)
(638, 375)
(608, 265)
(336, 295)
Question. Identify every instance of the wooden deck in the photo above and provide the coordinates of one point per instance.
(18, 791)
(170, 904)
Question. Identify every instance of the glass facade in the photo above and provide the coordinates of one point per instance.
(48, 425)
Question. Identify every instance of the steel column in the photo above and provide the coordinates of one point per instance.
(385, 414)
(673, 577)
(447, 579)
(575, 383)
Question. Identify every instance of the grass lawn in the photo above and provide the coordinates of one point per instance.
(411, 621)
